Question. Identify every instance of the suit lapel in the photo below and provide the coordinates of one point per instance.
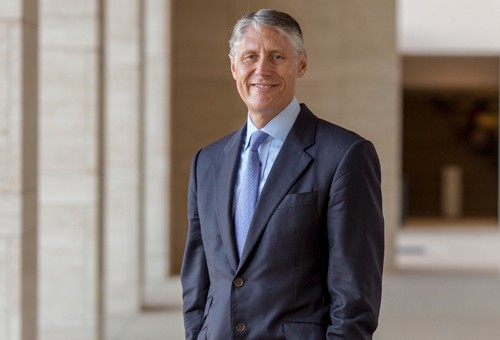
(291, 162)
(225, 176)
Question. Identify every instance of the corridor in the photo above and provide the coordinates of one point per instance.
(435, 298)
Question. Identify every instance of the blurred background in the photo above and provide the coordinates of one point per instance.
(103, 104)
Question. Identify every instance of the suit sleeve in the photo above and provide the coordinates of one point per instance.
(356, 244)
(194, 272)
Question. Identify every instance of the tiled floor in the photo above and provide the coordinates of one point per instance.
(160, 322)
(449, 288)
(448, 248)
(419, 306)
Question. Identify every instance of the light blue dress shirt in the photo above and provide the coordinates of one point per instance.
(277, 129)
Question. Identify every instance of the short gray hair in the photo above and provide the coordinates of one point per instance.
(282, 22)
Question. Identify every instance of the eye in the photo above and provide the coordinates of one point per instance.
(249, 58)
(278, 57)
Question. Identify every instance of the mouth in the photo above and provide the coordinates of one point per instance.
(264, 86)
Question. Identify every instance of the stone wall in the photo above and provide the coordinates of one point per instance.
(352, 80)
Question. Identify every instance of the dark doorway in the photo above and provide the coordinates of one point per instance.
(450, 137)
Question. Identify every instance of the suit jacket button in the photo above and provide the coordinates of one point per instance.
(240, 327)
(239, 282)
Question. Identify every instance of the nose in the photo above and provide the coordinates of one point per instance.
(263, 67)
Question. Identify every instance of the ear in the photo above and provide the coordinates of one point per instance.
(233, 66)
(302, 65)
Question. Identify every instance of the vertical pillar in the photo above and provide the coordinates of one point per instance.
(451, 191)
(18, 168)
(156, 156)
(123, 126)
(71, 170)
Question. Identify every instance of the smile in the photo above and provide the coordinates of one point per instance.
(263, 86)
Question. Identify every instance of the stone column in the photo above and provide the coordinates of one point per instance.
(156, 154)
(18, 169)
(71, 170)
(352, 81)
(123, 130)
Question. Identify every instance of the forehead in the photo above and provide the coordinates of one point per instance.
(263, 37)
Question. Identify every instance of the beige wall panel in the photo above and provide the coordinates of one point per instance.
(68, 31)
(10, 135)
(75, 8)
(352, 80)
(156, 159)
(457, 73)
(10, 9)
(18, 286)
(10, 210)
(10, 294)
(10, 106)
(67, 266)
(205, 104)
(70, 200)
(123, 124)
(68, 101)
(208, 113)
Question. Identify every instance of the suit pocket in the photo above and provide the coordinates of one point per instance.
(208, 304)
(304, 331)
(202, 335)
(301, 199)
(203, 332)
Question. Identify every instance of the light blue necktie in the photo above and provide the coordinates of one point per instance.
(249, 190)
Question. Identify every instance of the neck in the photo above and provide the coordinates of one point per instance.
(260, 119)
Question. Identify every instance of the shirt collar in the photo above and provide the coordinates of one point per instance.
(279, 126)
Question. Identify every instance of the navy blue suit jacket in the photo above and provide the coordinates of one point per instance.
(312, 263)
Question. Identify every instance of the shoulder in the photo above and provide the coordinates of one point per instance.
(217, 149)
(221, 143)
(329, 134)
(334, 144)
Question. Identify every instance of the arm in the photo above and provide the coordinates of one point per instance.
(356, 244)
(194, 272)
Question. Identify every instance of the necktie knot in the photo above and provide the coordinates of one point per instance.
(256, 139)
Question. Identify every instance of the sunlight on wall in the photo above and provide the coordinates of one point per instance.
(458, 27)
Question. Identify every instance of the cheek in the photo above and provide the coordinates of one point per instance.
(236, 73)
(290, 79)
(242, 78)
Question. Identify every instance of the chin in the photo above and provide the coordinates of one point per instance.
(263, 105)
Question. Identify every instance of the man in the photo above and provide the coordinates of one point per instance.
(285, 236)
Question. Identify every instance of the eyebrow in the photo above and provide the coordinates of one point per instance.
(252, 50)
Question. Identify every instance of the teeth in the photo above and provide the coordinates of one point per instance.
(263, 86)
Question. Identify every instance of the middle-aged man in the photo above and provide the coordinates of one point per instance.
(285, 236)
